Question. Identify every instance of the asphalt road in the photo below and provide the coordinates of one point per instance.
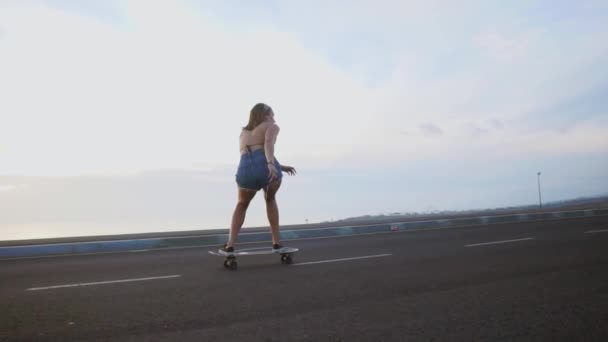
(525, 282)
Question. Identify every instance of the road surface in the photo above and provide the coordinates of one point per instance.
(541, 281)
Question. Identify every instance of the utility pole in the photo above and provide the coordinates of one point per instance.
(540, 200)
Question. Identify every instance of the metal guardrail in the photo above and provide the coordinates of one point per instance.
(110, 246)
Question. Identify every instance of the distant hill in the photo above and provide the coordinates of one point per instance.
(576, 203)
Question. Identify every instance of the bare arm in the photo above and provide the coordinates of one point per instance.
(269, 140)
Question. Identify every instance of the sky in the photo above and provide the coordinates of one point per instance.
(124, 116)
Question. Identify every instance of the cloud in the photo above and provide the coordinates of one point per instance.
(496, 124)
(506, 49)
(170, 84)
(165, 89)
(586, 136)
(476, 130)
(12, 187)
(429, 129)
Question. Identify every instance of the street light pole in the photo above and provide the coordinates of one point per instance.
(540, 201)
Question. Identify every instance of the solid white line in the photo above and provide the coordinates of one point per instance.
(343, 259)
(497, 242)
(597, 231)
(102, 282)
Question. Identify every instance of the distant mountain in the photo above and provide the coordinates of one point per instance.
(576, 203)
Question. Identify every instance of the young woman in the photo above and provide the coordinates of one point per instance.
(258, 169)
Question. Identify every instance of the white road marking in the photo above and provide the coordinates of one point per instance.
(343, 259)
(102, 282)
(497, 242)
(597, 231)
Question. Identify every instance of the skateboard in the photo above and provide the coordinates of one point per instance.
(231, 263)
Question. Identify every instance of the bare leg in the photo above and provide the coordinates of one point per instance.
(245, 197)
(272, 210)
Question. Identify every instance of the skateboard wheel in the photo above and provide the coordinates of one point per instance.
(230, 263)
(286, 259)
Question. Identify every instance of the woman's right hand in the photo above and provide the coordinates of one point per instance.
(273, 174)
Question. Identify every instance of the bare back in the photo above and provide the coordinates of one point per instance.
(262, 136)
(253, 138)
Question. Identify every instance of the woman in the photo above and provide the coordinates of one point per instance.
(258, 169)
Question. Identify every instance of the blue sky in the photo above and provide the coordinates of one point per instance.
(123, 116)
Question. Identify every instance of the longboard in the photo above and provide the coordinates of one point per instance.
(230, 262)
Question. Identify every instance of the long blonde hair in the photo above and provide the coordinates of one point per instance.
(257, 115)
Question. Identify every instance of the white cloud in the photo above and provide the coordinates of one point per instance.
(12, 187)
(507, 49)
(167, 89)
(169, 86)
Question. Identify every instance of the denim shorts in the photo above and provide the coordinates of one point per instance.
(252, 173)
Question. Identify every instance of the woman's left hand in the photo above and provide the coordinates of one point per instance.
(289, 169)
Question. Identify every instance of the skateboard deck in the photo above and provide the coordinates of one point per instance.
(230, 261)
